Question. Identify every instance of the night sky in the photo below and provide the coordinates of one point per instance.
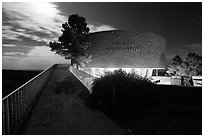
(28, 27)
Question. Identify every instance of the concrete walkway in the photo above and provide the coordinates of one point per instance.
(60, 111)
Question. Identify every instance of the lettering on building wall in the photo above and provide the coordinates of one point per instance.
(122, 49)
(123, 46)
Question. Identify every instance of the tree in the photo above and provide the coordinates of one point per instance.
(177, 60)
(187, 68)
(73, 43)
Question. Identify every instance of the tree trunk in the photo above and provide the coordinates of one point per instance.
(191, 81)
(182, 81)
(74, 63)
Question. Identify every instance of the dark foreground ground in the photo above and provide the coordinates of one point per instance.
(61, 110)
(12, 79)
(164, 110)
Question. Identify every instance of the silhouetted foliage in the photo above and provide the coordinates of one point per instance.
(177, 60)
(72, 44)
(135, 103)
(190, 66)
(117, 90)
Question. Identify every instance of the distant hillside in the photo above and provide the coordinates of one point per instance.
(12, 79)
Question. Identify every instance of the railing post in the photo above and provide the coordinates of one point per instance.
(23, 100)
(11, 110)
(15, 108)
(7, 117)
(20, 104)
(17, 102)
(3, 120)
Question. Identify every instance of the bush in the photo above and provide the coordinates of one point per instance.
(135, 103)
(118, 92)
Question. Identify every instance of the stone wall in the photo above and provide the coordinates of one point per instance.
(126, 49)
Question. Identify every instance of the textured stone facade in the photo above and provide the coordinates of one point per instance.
(126, 49)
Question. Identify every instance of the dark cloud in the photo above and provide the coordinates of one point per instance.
(25, 41)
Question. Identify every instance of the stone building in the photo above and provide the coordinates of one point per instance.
(140, 52)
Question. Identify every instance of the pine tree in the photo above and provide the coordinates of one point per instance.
(73, 43)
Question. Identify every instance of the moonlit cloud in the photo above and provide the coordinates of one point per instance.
(37, 17)
(43, 17)
(41, 51)
(27, 28)
(20, 30)
(31, 62)
(34, 15)
(13, 53)
(100, 27)
(40, 57)
(36, 51)
(26, 19)
(8, 45)
(10, 34)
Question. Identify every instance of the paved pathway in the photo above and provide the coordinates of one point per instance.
(60, 111)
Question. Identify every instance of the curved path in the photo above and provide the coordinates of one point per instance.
(60, 111)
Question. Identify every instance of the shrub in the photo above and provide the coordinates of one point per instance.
(186, 68)
(119, 92)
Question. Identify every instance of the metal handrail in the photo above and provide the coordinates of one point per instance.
(17, 105)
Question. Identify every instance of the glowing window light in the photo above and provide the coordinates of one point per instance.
(144, 72)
